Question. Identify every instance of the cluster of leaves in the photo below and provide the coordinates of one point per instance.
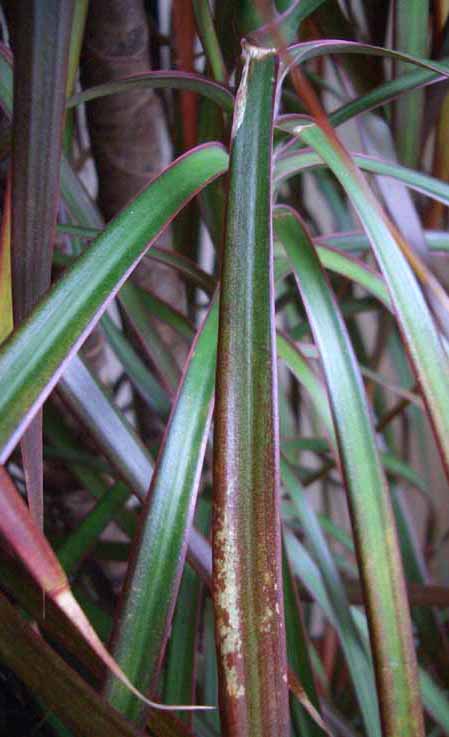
(160, 540)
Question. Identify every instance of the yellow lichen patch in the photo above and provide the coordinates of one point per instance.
(227, 607)
(267, 578)
(267, 620)
(235, 689)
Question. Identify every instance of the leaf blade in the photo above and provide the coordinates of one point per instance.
(247, 556)
(154, 575)
(423, 341)
(218, 93)
(31, 363)
(371, 513)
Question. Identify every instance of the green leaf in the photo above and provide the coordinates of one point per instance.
(426, 351)
(434, 699)
(298, 656)
(299, 53)
(187, 268)
(432, 636)
(288, 22)
(334, 593)
(247, 552)
(292, 163)
(436, 240)
(426, 621)
(76, 42)
(33, 360)
(210, 676)
(182, 652)
(168, 314)
(85, 468)
(208, 36)
(351, 268)
(118, 441)
(79, 542)
(41, 40)
(32, 548)
(298, 365)
(145, 383)
(386, 92)
(179, 676)
(371, 513)
(153, 578)
(160, 80)
(411, 20)
(150, 341)
(111, 431)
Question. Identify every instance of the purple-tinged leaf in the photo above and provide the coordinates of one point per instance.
(62, 689)
(41, 39)
(25, 539)
(247, 584)
(218, 93)
(299, 53)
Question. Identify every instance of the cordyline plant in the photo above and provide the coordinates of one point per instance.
(224, 323)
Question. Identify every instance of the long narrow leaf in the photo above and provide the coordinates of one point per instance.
(78, 544)
(299, 53)
(154, 577)
(359, 665)
(143, 380)
(417, 326)
(434, 699)
(119, 443)
(372, 516)
(292, 163)
(107, 425)
(62, 689)
(298, 655)
(179, 683)
(299, 366)
(41, 50)
(247, 551)
(218, 93)
(24, 537)
(42, 31)
(33, 360)
(207, 33)
(437, 240)
(385, 92)
(411, 19)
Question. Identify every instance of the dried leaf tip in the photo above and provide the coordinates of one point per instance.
(256, 52)
(298, 129)
(250, 53)
(68, 604)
